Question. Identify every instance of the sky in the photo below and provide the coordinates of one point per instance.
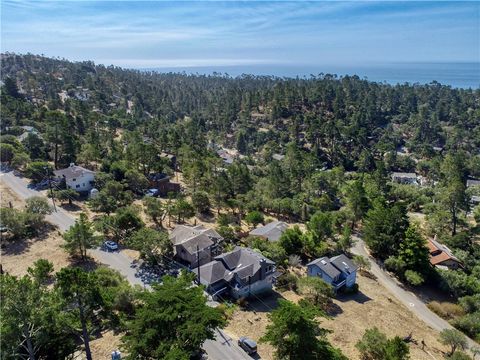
(154, 34)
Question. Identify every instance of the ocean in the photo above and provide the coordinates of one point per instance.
(458, 75)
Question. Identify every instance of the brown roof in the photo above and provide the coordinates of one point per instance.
(439, 253)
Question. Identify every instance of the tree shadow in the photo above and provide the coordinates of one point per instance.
(359, 297)
(10, 246)
(70, 207)
(264, 302)
(89, 264)
(334, 310)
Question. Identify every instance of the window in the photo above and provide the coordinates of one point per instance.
(74, 179)
(77, 186)
(83, 184)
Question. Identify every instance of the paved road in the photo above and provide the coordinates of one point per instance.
(222, 348)
(409, 299)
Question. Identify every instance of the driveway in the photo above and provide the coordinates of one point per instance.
(222, 348)
(408, 298)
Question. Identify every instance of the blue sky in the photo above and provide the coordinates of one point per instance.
(182, 34)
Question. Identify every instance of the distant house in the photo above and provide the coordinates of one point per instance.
(441, 256)
(473, 182)
(226, 157)
(272, 231)
(405, 178)
(195, 245)
(278, 157)
(337, 271)
(171, 159)
(162, 182)
(240, 273)
(76, 177)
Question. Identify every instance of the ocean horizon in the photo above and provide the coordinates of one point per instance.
(455, 74)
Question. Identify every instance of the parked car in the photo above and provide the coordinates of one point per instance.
(3, 228)
(248, 345)
(110, 245)
(152, 192)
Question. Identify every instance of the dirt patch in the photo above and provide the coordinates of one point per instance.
(103, 346)
(373, 306)
(18, 256)
(7, 197)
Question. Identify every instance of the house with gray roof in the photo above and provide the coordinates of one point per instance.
(194, 245)
(338, 271)
(240, 273)
(272, 231)
(405, 178)
(76, 177)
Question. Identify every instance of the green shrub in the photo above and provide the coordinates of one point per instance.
(287, 281)
(414, 278)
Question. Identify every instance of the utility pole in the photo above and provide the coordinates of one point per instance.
(51, 190)
(198, 264)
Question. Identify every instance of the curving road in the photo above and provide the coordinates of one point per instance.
(408, 298)
(222, 348)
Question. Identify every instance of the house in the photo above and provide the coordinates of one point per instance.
(240, 273)
(272, 231)
(337, 271)
(195, 245)
(472, 183)
(162, 182)
(441, 256)
(405, 178)
(170, 158)
(278, 157)
(226, 157)
(76, 177)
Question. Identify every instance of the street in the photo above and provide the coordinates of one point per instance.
(222, 348)
(409, 299)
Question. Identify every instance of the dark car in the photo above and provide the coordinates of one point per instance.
(248, 345)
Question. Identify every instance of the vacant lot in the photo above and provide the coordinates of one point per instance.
(373, 306)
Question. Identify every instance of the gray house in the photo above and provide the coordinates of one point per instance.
(405, 178)
(272, 231)
(195, 245)
(239, 273)
(337, 271)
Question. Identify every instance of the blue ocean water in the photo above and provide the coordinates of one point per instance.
(458, 75)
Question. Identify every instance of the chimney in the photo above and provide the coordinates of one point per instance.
(263, 268)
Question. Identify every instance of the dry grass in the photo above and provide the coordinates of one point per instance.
(18, 256)
(103, 346)
(374, 306)
(7, 196)
(446, 310)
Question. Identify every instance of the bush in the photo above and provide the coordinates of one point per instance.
(395, 264)
(414, 278)
(201, 202)
(226, 219)
(446, 310)
(469, 324)
(254, 218)
(287, 281)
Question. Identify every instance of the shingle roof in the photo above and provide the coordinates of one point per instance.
(182, 233)
(73, 171)
(242, 262)
(326, 266)
(201, 241)
(272, 231)
(343, 263)
(335, 265)
(439, 252)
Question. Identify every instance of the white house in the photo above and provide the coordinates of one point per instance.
(76, 177)
(337, 271)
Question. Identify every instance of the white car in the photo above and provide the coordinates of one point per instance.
(110, 245)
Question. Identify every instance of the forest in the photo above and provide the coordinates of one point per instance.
(316, 152)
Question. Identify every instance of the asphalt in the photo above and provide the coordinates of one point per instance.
(222, 348)
(406, 297)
